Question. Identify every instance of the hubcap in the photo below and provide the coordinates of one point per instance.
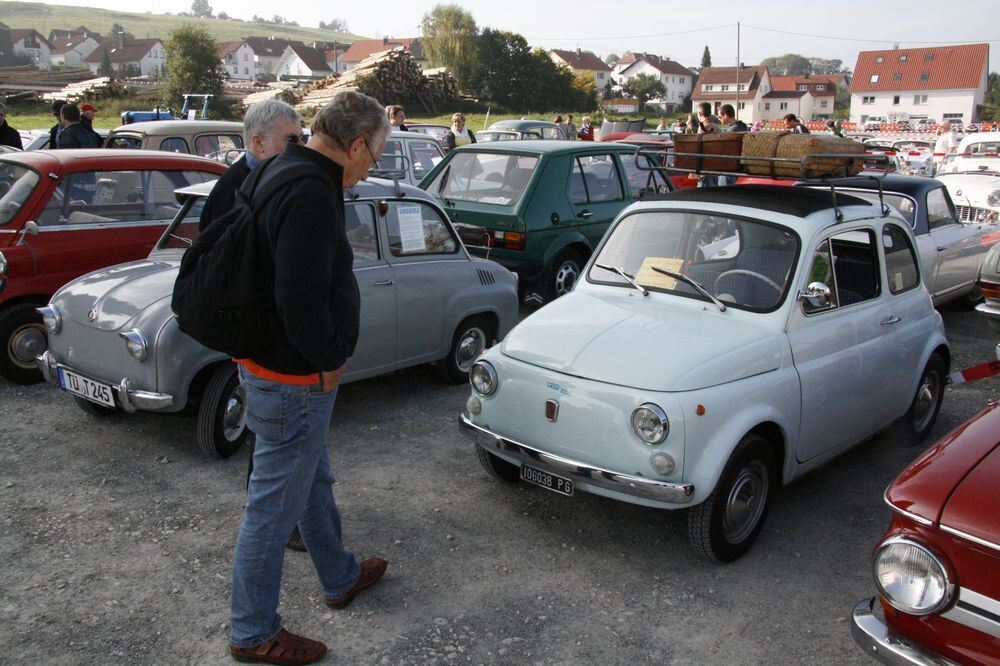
(566, 277)
(470, 346)
(26, 344)
(745, 503)
(234, 416)
(923, 403)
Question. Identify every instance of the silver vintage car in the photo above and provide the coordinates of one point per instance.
(115, 344)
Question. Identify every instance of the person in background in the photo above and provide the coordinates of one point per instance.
(691, 126)
(558, 122)
(730, 123)
(8, 135)
(458, 135)
(396, 115)
(946, 144)
(833, 127)
(570, 127)
(87, 113)
(663, 125)
(586, 132)
(679, 126)
(794, 125)
(757, 126)
(706, 124)
(58, 127)
(74, 134)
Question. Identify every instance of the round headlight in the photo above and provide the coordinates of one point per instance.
(993, 198)
(135, 342)
(51, 318)
(483, 378)
(911, 578)
(650, 423)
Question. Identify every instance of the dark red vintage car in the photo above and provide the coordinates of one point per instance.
(938, 567)
(64, 213)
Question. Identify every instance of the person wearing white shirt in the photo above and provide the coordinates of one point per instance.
(947, 143)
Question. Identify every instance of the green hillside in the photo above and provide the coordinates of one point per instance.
(44, 17)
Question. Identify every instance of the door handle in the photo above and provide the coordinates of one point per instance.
(383, 283)
(888, 321)
(942, 249)
(585, 214)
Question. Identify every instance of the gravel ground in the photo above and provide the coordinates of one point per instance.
(118, 534)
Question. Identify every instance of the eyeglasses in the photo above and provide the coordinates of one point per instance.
(296, 138)
(370, 153)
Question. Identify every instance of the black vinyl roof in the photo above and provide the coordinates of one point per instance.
(911, 185)
(797, 201)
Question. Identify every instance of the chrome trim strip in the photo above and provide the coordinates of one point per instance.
(969, 537)
(662, 491)
(65, 226)
(131, 400)
(880, 642)
(976, 611)
(912, 516)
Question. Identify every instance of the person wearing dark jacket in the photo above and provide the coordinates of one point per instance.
(794, 125)
(8, 135)
(291, 384)
(75, 135)
(87, 114)
(730, 123)
(58, 127)
(268, 127)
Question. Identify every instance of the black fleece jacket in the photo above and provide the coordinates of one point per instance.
(315, 294)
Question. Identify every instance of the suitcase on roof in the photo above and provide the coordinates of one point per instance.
(718, 151)
(799, 147)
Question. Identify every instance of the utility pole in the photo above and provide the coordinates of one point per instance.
(737, 110)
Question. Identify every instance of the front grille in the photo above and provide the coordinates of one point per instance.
(485, 277)
(973, 214)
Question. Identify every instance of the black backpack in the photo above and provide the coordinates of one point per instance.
(224, 293)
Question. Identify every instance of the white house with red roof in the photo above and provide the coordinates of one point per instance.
(72, 49)
(677, 79)
(720, 85)
(583, 61)
(943, 82)
(237, 58)
(809, 97)
(135, 57)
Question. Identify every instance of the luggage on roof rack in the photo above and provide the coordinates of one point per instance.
(822, 155)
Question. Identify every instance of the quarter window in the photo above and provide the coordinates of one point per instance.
(174, 144)
(360, 225)
(939, 209)
(900, 260)
(216, 146)
(416, 228)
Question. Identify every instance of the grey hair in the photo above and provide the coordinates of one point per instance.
(262, 115)
(351, 115)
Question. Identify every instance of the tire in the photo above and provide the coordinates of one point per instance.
(472, 337)
(725, 525)
(970, 300)
(498, 468)
(923, 412)
(23, 337)
(93, 408)
(222, 423)
(563, 273)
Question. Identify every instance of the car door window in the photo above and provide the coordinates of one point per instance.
(900, 260)
(161, 202)
(360, 225)
(847, 263)
(216, 146)
(595, 179)
(939, 209)
(643, 179)
(416, 228)
(174, 144)
(127, 142)
(424, 155)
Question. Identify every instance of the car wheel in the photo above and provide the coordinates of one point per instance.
(497, 467)
(970, 300)
(563, 274)
(725, 525)
(93, 408)
(222, 415)
(23, 337)
(926, 404)
(472, 337)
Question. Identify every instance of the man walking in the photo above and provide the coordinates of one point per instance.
(291, 386)
(946, 144)
(8, 135)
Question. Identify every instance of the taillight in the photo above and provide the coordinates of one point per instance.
(991, 290)
(508, 240)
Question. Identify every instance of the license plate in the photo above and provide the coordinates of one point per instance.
(548, 481)
(86, 388)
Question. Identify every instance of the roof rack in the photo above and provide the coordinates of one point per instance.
(392, 174)
(651, 155)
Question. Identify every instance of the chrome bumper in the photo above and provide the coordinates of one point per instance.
(992, 314)
(878, 641)
(650, 489)
(130, 399)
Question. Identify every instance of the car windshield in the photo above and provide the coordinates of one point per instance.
(16, 185)
(489, 178)
(183, 230)
(983, 148)
(486, 136)
(744, 263)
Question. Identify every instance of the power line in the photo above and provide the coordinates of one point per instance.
(659, 34)
(859, 39)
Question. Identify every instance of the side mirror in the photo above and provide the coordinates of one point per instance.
(815, 297)
(30, 229)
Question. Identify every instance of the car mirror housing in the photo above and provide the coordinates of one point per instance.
(816, 297)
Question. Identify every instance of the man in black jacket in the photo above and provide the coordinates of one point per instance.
(268, 127)
(291, 385)
(75, 135)
(8, 135)
(58, 127)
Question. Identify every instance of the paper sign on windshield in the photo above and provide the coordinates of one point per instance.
(411, 229)
(650, 278)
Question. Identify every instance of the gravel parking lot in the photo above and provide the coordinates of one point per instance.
(117, 540)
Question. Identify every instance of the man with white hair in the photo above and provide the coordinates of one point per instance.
(291, 384)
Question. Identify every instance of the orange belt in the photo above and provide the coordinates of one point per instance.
(272, 376)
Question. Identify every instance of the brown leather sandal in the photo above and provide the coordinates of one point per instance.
(371, 571)
(285, 648)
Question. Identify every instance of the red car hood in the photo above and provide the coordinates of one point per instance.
(955, 482)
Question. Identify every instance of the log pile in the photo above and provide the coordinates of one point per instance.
(283, 90)
(392, 77)
(31, 75)
(90, 89)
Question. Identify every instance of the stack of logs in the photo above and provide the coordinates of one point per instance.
(392, 77)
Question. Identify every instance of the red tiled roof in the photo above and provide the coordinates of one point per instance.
(134, 50)
(223, 49)
(363, 48)
(752, 76)
(939, 68)
(663, 64)
(582, 60)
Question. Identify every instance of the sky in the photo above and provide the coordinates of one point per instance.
(678, 30)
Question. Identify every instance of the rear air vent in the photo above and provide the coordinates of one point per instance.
(485, 276)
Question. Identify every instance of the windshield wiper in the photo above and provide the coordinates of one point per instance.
(690, 281)
(624, 275)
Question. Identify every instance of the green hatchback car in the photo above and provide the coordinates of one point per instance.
(546, 204)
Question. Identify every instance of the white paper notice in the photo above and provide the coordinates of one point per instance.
(411, 229)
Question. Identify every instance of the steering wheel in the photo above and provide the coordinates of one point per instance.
(742, 271)
(4, 187)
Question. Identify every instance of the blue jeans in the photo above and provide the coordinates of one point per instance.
(291, 484)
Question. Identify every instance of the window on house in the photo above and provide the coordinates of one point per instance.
(879, 59)
(767, 106)
(682, 79)
(725, 86)
(782, 106)
(820, 88)
(708, 87)
(802, 87)
(924, 76)
(868, 99)
(920, 99)
(742, 86)
(600, 76)
(928, 57)
(873, 79)
(902, 58)
(898, 76)
(823, 103)
(246, 56)
(743, 105)
(895, 100)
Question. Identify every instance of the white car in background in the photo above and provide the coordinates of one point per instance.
(972, 176)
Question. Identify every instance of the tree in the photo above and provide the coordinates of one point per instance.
(201, 8)
(192, 66)
(118, 28)
(336, 25)
(706, 57)
(611, 59)
(105, 68)
(607, 92)
(790, 64)
(449, 39)
(644, 87)
(991, 102)
(824, 66)
(585, 88)
(222, 16)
